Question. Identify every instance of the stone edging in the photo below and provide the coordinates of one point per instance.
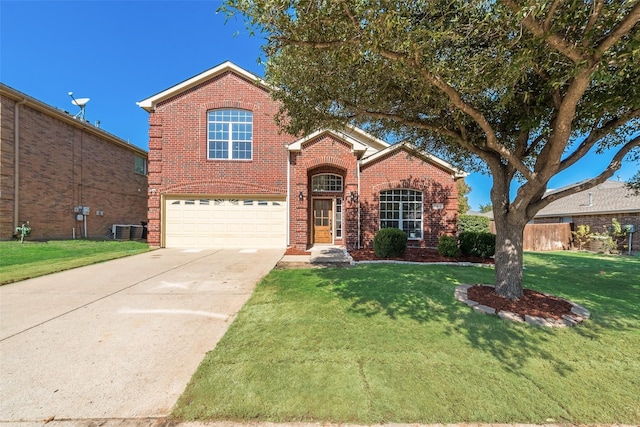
(578, 313)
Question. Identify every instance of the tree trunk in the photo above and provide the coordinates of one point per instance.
(508, 258)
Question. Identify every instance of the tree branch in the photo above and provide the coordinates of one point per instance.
(552, 10)
(594, 136)
(595, 14)
(315, 45)
(614, 165)
(630, 21)
(534, 145)
(548, 162)
(412, 123)
(456, 100)
(553, 40)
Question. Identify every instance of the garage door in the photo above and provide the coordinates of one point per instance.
(225, 223)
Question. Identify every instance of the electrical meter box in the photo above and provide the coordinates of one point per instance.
(85, 210)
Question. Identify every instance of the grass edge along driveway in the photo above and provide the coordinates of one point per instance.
(32, 259)
(390, 344)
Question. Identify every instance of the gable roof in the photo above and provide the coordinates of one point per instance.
(606, 198)
(412, 149)
(361, 142)
(150, 103)
(65, 117)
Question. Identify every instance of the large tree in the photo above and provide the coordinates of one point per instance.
(523, 89)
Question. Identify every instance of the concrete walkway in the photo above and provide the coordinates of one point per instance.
(121, 339)
(322, 254)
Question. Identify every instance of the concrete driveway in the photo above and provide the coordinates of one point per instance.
(119, 339)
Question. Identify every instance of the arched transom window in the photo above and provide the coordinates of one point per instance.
(326, 182)
(402, 209)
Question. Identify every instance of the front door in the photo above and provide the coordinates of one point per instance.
(322, 217)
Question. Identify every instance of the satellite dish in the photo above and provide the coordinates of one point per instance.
(80, 102)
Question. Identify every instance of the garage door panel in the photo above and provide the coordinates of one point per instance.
(225, 223)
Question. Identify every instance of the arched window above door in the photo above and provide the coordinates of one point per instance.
(326, 182)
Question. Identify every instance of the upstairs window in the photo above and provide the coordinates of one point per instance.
(230, 135)
(139, 164)
(326, 182)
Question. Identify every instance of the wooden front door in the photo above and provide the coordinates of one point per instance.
(322, 218)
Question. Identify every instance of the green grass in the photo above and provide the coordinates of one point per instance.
(32, 259)
(389, 343)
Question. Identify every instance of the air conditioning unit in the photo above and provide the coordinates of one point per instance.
(121, 232)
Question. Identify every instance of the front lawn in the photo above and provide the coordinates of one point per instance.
(390, 344)
(19, 261)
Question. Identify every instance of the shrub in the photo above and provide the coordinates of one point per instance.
(390, 242)
(582, 235)
(474, 223)
(448, 246)
(478, 244)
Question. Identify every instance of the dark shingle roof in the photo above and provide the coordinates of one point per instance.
(606, 198)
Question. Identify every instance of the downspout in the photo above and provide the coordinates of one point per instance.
(358, 172)
(16, 164)
(288, 204)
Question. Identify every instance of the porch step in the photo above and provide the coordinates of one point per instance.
(330, 255)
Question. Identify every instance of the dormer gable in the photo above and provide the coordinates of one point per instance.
(417, 152)
(361, 143)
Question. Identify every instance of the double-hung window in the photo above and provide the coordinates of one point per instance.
(230, 134)
(402, 209)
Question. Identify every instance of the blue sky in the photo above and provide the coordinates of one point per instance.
(119, 52)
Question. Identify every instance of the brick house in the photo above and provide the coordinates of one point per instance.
(595, 207)
(53, 163)
(221, 174)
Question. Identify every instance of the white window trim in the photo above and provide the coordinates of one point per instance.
(230, 140)
(400, 219)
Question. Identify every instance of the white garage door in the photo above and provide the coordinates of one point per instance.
(225, 223)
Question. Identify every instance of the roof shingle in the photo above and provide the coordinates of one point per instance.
(606, 198)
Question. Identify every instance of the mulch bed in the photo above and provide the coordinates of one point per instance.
(532, 303)
(416, 255)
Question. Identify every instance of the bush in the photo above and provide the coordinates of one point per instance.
(390, 242)
(448, 246)
(582, 235)
(482, 245)
(473, 223)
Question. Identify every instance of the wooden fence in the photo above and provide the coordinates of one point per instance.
(545, 237)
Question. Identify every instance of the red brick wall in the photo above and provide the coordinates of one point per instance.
(324, 154)
(178, 161)
(401, 170)
(7, 170)
(178, 164)
(62, 166)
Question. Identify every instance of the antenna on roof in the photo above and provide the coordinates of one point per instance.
(80, 102)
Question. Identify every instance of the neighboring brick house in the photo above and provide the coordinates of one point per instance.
(53, 163)
(595, 207)
(221, 174)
